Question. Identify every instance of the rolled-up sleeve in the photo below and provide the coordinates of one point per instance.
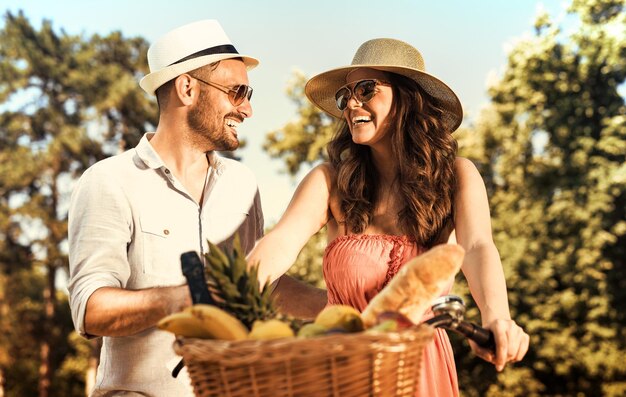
(99, 231)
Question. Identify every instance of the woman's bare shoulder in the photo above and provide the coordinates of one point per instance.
(322, 173)
(464, 164)
(466, 170)
(327, 168)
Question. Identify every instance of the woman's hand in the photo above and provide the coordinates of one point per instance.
(511, 343)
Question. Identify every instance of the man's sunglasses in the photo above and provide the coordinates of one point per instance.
(363, 91)
(236, 94)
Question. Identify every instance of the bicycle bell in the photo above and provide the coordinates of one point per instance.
(451, 305)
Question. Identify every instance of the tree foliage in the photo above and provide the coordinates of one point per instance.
(552, 150)
(66, 101)
(303, 140)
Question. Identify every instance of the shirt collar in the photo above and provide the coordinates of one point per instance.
(151, 158)
(146, 152)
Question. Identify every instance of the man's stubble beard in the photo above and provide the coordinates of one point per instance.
(207, 128)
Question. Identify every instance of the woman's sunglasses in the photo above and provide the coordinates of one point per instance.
(236, 94)
(363, 91)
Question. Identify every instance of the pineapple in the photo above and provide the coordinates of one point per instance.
(236, 288)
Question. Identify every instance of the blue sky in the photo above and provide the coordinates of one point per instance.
(462, 42)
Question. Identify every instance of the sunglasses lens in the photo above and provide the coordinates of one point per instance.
(341, 98)
(364, 90)
(239, 93)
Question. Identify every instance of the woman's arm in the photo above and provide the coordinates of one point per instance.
(305, 215)
(482, 267)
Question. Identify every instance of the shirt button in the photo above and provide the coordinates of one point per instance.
(167, 171)
(166, 232)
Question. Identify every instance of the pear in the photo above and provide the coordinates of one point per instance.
(340, 316)
(311, 330)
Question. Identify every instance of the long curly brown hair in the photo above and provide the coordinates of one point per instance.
(426, 153)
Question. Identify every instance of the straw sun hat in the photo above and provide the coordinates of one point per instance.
(388, 55)
(187, 48)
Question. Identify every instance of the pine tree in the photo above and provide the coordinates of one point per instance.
(67, 101)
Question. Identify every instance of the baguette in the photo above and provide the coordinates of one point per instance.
(417, 284)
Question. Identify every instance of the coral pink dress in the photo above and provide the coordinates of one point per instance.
(357, 267)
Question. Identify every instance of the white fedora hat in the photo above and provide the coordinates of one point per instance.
(388, 55)
(187, 48)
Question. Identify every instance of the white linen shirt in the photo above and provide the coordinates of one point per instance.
(130, 220)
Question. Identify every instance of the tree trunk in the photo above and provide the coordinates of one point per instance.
(45, 365)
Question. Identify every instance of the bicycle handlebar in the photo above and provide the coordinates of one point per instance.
(482, 336)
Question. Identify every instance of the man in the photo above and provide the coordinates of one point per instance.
(132, 215)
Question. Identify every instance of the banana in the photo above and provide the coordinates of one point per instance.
(218, 323)
(270, 329)
(340, 316)
(184, 324)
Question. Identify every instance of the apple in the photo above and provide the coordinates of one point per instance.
(402, 320)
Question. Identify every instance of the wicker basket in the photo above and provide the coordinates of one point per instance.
(346, 365)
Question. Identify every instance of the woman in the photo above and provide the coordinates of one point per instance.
(392, 189)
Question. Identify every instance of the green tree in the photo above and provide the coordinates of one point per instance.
(553, 148)
(66, 101)
(302, 141)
